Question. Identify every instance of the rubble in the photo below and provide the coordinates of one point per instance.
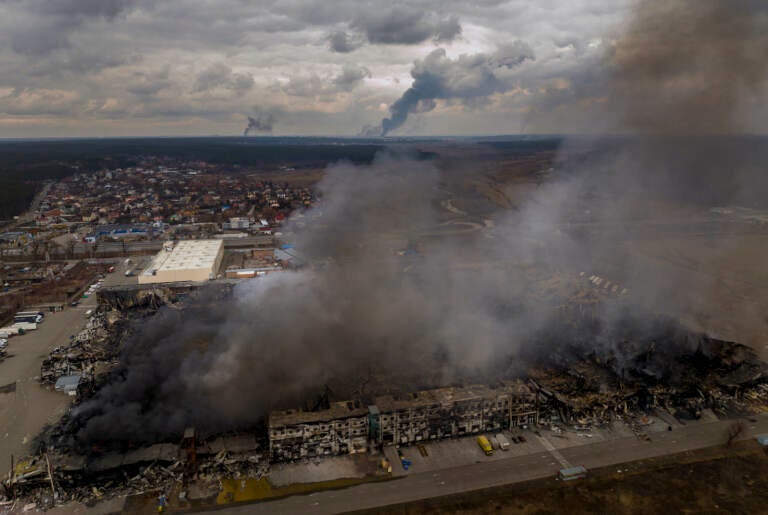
(88, 354)
(725, 377)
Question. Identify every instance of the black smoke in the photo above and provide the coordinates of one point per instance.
(464, 79)
(260, 122)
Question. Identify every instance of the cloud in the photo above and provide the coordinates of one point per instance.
(342, 42)
(326, 88)
(350, 77)
(108, 51)
(405, 26)
(52, 23)
(219, 75)
(150, 83)
(447, 30)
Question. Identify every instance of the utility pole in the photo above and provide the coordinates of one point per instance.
(50, 477)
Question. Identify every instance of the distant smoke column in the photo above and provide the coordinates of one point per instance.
(260, 122)
(465, 78)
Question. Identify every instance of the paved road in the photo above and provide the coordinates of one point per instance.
(500, 472)
(151, 246)
(26, 411)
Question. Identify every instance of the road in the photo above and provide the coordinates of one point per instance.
(500, 472)
(25, 411)
(150, 246)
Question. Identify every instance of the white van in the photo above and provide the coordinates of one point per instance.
(502, 441)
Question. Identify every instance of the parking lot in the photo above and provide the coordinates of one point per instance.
(457, 453)
(460, 452)
(25, 406)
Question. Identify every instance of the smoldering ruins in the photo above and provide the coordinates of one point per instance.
(400, 327)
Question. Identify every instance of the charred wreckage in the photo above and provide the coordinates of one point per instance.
(661, 370)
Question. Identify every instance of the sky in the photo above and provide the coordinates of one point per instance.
(311, 67)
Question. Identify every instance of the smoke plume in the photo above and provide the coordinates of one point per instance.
(692, 67)
(682, 81)
(367, 315)
(465, 79)
(262, 121)
(363, 314)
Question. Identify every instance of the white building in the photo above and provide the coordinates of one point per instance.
(188, 260)
(237, 223)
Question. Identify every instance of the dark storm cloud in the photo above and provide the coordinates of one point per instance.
(407, 26)
(342, 42)
(54, 22)
(447, 30)
(74, 8)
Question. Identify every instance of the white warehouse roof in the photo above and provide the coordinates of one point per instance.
(188, 260)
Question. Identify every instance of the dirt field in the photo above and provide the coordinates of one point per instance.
(61, 290)
(714, 480)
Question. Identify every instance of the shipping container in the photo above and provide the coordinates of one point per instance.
(503, 442)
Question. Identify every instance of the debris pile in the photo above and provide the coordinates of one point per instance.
(725, 377)
(194, 468)
(88, 353)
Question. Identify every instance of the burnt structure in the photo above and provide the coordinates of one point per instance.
(349, 427)
(340, 429)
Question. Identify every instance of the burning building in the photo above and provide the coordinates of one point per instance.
(340, 429)
(349, 427)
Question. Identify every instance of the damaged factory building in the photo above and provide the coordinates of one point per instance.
(350, 427)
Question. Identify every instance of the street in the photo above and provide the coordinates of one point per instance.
(500, 472)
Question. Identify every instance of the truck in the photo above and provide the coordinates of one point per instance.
(28, 316)
(7, 332)
(502, 441)
(485, 445)
(30, 313)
